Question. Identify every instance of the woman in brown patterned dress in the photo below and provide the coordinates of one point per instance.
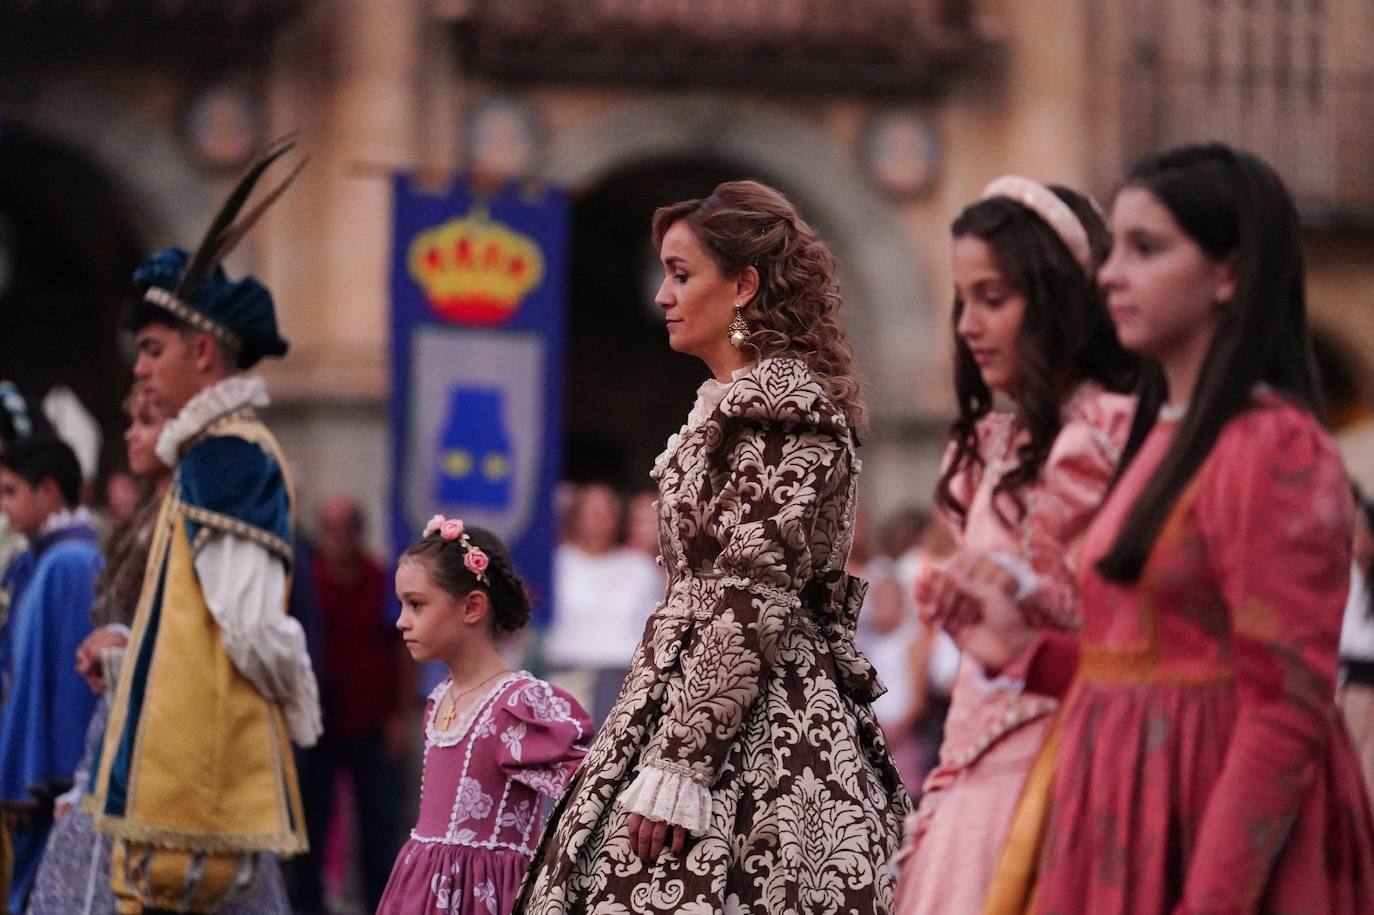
(741, 769)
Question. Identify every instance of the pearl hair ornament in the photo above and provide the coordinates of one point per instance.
(1053, 211)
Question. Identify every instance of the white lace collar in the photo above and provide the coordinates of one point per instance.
(709, 396)
(435, 736)
(224, 396)
(64, 518)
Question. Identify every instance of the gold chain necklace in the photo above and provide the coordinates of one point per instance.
(452, 713)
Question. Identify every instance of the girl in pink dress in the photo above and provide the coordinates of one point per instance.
(1200, 766)
(1019, 486)
(497, 741)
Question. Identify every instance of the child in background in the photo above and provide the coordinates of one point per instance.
(45, 704)
(496, 740)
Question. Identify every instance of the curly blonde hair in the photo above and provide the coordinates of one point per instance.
(796, 309)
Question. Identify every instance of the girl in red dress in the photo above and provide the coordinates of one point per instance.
(1200, 766)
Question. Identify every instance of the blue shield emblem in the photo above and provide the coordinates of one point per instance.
(477, 413)
(473, 461)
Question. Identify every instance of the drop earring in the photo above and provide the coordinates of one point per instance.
(738, 331)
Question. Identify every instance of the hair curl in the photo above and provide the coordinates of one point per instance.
(510, 602)
(139, 406)
(796, 309)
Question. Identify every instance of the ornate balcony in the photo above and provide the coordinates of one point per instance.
(892, 46)
(45, 30)
(1288, 79)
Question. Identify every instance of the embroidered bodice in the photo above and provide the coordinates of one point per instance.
(1042, 545)
(484, 776)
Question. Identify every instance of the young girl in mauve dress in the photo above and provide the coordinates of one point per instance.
(497, 741)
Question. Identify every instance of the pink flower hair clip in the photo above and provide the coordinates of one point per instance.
(452, 530)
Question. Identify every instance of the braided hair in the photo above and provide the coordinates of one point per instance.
(510, 602)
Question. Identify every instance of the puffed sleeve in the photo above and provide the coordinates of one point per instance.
(544, 734)
(245, 590)
(786, 454)
(1274, 511)
(1076, 476)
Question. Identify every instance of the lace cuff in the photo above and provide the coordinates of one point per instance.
(1027, 582)
(1007, 681)
(670, 797)
(274, 660)
(71, 797)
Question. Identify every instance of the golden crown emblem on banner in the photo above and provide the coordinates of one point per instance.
(475, 270)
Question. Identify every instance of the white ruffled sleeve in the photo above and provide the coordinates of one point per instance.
(661, 792)
(245, 588)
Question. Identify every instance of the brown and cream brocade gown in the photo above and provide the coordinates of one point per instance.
(746, 713)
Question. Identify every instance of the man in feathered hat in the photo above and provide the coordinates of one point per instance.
(195, 778)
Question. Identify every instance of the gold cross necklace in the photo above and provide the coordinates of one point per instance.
(448, 717)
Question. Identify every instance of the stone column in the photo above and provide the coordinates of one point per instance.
(345, 77)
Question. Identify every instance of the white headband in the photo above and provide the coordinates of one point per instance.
(1046, 204)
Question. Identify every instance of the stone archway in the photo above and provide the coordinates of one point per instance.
(169, 200)
(891, 322)
(71, 246)
(98, 185)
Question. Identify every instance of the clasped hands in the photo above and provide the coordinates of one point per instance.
(89, 653)
(974, 599)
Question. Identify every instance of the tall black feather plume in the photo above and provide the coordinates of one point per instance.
(212, 247)
(231, 236)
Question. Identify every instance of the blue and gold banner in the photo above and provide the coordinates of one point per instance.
(477, 303)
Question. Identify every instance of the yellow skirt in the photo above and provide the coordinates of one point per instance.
(1012, 891)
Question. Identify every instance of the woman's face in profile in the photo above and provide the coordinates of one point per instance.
(141, 440)
(698, 302)
(990, 322)
(1164, 292)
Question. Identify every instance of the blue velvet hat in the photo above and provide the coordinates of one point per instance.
(195, 290)
(236, 312)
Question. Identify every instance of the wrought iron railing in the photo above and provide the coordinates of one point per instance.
(1291, 80)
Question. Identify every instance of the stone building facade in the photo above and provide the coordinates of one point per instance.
(123, 121)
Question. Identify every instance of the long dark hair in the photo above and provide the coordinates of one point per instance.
(1066, 337)
(1232, 205)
